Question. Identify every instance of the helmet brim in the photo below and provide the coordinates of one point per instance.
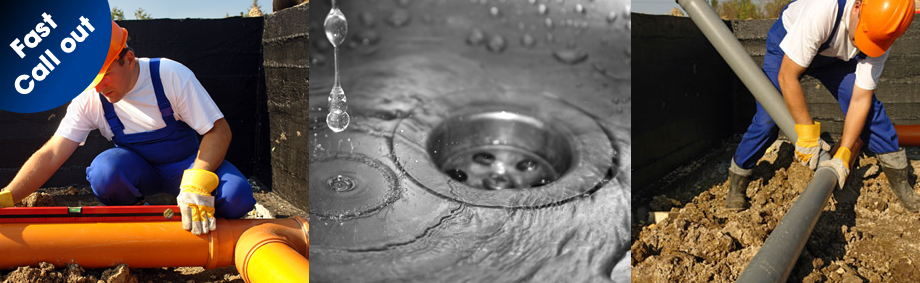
(118, 43)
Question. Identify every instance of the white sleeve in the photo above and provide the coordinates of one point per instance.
(76, 126)
(192, 103)
(869, 70)
(811, 29)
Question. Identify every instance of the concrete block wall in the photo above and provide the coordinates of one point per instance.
(681, 110)
(286, 46)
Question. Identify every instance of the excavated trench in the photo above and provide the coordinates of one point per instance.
(863, 235)
(472, 163)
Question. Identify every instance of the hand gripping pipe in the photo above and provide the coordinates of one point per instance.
(781, 250)
(269, 250)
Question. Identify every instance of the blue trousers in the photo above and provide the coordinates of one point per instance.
(120, 176)
(838, 77)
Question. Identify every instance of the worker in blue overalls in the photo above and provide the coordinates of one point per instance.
(844, 44)
(153, 110)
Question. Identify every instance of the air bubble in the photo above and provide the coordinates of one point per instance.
(496, 44)
(570, 56)
(495, 12)
(476, 37)
(528, 41)
(399, 18)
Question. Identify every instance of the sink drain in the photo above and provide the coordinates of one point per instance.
(499, 150)
(503, 149)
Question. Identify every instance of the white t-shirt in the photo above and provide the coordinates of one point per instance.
(138, 110)
(809, 24)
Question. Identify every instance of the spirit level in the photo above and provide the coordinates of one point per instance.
(89, 214)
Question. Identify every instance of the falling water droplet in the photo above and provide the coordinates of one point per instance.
(336, 29)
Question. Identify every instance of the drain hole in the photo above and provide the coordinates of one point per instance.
(498, 182)
(484, 158)
(527, 165)
(500, 150)
(457, 174)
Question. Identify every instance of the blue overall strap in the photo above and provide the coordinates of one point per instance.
(841, 5)
(110, 116)
(162, 102)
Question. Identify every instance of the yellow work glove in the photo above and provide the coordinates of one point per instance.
(196, 202)
(840, 164)
(809, 145)
(6, 199)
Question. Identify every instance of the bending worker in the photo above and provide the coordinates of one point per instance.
(844, 44)
(152, 110)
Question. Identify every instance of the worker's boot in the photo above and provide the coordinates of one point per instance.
(894, 164)
(738, 180)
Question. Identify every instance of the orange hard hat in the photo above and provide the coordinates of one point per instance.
(118, 43)
(880, 23)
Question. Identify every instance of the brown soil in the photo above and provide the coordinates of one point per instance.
(863, 235)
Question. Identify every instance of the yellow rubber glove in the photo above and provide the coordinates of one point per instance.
(840, 164)
(809, 145)
(196, 202)
(6, 199)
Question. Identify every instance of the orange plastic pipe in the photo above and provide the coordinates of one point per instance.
(274, 252)
(908, 135)
(139, 244)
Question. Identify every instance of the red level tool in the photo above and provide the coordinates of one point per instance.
(89, 214)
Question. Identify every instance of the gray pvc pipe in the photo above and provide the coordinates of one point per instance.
(741, 63)
(781, 250)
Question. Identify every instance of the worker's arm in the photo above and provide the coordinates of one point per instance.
(195, 199)
(809, 145)
(214, 146)
(855, 119)
(789, 73)
(39, 168)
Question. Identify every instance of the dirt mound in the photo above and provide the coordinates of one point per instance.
(863, 234)
(37, 199)
(45, 273)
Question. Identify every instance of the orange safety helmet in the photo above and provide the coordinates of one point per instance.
(118, 43)
(880, 23)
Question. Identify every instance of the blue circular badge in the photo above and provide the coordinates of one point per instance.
(51, 52)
